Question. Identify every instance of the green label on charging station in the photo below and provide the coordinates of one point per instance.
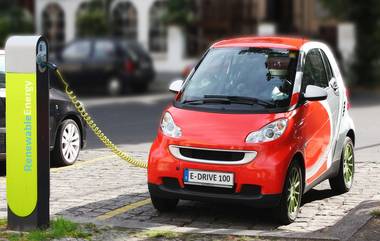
(21, 139)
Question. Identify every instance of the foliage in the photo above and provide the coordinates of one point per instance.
(376, 213)
(160, 234)
(13, 20)
(179, 12)
(92, 20)
(366, 16)
(60, 228)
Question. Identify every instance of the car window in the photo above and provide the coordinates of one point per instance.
(314, 72)
(77, 51)
(328, 68)
(2, 71)
(104, 49)
(258, 73)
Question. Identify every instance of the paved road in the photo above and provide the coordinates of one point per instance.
(127, 120)
(130, 119)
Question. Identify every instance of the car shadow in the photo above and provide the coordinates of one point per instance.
(315, 195)
(187, 214)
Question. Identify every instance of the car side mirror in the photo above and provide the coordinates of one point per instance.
(176, 86)
(315, 93)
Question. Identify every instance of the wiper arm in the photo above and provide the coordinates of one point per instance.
(207, 100)
(242, 100)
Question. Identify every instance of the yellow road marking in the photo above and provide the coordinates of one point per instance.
(81, 163)
(124, 209)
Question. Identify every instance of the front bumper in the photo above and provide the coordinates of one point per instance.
(267, 171)
(246, 198)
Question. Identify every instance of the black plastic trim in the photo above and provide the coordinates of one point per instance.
(251, 200)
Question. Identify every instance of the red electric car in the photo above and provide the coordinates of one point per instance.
(259, 121)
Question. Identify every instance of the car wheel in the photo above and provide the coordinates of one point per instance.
(68, 143)
(164, 204)
(343, 181)
(114, 87)
(292, 194)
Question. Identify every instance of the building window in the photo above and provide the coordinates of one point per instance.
(125, 20)
(157, 29)
(220, 19)
(53, 26)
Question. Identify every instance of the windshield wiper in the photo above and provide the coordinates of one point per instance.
(206, 100)
(242, 100)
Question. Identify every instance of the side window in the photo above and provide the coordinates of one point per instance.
(104, 49)
(328, 68)
(314, 72)
(77, 51)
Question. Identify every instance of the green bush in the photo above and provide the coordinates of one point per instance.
(179, 12)
(366, 16)
(14, 20)
(92, 19)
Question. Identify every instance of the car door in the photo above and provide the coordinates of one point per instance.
(333, 97)
(317, 128)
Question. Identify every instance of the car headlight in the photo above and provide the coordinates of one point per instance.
(270, 132)
(169, 128)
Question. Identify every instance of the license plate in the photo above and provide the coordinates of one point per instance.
(206, 178)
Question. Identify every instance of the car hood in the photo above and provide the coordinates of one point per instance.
(203, 129)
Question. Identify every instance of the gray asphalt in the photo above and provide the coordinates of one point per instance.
(131, 119)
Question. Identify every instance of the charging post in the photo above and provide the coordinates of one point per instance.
(27, 132)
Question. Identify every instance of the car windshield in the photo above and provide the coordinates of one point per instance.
(242, 78)
(2, 71)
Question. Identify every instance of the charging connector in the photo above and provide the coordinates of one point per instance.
(42, 63)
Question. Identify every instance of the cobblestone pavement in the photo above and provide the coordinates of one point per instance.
(103, 183)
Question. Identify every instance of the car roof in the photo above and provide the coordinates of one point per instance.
(291, 43)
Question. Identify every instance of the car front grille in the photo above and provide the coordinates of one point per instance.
(215, 156)
(211, 155)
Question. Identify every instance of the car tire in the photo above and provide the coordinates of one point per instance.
(342, 183)
(164, 204)
(290, 202)
(114, 86)
(67, 144)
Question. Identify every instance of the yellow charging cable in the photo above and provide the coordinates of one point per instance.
(107, 142)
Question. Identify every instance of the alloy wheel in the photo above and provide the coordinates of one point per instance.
(294, 193)
(70, 143)
(348, 165)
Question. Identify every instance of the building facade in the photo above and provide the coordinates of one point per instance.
(173, 47)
